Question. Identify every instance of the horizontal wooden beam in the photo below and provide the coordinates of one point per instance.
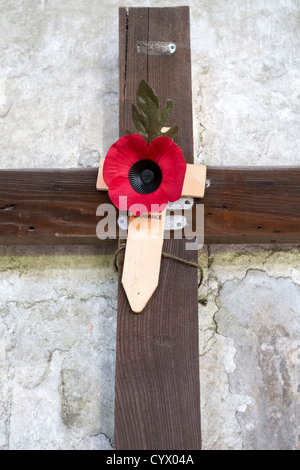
(252, 205)
(58, 207)
(53, 207)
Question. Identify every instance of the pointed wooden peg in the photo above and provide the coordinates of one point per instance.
(142, 258)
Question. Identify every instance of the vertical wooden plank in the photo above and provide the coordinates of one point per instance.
(133, 27)
(157, 366)
(171, 74)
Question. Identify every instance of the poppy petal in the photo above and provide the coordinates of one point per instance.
(171, 161)
(118, 192)
(122, 155)
(154, 202)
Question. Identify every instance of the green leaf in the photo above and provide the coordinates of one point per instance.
(167, 111)
(149, 111)
(148, 104)
(145, 90)
(171, 132)
(154, 115)
(138, 119)
(147, 116)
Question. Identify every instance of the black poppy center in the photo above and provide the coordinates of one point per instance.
(148, 176)
(145, 176)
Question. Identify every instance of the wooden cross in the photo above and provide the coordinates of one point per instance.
(145, 240)
(157, 366)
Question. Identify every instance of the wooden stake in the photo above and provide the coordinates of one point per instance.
(142, 258)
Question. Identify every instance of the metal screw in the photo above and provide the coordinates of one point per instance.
(123, 222)
(207, 183)
(172, 48)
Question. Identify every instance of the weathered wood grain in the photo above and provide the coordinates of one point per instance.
(157, 367)
(58, 207)
(49, 206)
(252, 205)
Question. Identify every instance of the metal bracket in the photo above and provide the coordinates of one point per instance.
(173, 222)
(155, 47)
(184, 203)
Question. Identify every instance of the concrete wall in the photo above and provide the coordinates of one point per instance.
(59, 108)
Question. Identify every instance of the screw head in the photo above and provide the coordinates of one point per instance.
(172, 48)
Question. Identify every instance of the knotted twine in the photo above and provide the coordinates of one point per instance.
(166, 256)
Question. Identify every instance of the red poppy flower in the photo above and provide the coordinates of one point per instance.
(144, 178)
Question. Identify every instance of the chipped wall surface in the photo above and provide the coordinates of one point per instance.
(250, 347)
(59, 108)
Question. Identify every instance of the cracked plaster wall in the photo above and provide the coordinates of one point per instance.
(59, 108)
